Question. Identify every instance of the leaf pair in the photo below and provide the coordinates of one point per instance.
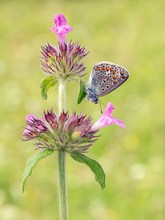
(50, 81)
(92, 164)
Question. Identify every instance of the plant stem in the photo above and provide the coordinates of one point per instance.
(61, 95)
(61, 158)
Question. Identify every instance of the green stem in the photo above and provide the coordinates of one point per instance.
(61, 159)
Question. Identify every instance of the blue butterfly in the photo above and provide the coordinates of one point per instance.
(105, 77)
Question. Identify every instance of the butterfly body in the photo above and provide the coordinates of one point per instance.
(105, 77)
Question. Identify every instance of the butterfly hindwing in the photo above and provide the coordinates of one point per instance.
(106, 77)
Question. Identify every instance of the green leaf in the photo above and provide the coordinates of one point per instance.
(46, 84)
(82, 92)
(93, 165)
(32, 161)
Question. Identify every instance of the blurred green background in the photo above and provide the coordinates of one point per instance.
(130, 33)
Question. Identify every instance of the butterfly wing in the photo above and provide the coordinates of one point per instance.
(106, 77)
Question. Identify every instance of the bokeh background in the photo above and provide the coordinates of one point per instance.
(130, 33)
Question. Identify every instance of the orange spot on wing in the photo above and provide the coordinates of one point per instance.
(103, 67)
(122, 71)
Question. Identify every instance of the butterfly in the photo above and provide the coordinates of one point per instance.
(105, 77)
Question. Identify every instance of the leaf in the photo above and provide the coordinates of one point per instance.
(30, 164)
(93, 165)
(82, 92)
(46, 84)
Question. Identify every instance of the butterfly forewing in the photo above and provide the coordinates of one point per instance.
(107, 77)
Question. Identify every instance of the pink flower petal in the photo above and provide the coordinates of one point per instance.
(30, 117)
(61, 28)
(60, 20)
(27, 130)
(107, 119)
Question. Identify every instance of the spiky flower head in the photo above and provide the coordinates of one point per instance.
(63, 61)
(63, 132)
(67, 132)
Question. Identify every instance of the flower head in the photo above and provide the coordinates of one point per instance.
(63, 132)
(61, 28)
(107, 119)
(63, 61)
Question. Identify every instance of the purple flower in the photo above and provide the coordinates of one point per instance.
(34, 127)
(107, 119)
(63, 132)
(66, 132)
(61, 28)
(63, 61)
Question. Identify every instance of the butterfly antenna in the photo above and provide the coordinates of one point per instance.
(100, 103)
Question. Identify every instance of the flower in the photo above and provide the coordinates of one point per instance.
(63, 61)
(107, 119)
(63, 132)
(61, 28)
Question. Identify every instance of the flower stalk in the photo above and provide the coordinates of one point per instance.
(63, 206)
(61, 95)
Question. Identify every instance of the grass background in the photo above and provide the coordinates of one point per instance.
(130, 33)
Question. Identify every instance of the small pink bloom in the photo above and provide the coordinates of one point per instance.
(30, 117)
(61, 28)
(107, 119)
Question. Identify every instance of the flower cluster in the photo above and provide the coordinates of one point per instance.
(63, 61)
(66, 133)
(63, 132)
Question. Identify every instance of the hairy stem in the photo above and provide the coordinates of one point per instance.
(61, 96)
(61, 158)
